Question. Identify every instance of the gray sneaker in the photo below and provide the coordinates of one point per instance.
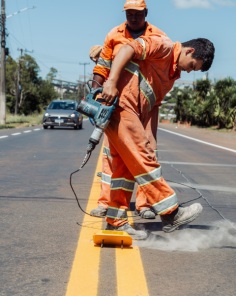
(100, 211)
(183, 216)
(135, 234)
(146, 213)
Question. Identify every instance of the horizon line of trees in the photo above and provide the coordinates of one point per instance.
(205, 104)
(28, 93)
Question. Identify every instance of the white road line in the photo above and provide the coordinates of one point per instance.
(200, 141)
(202, 187)
(198, 163)
(15, 134)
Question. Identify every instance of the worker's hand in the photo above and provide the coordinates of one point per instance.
(110, 92)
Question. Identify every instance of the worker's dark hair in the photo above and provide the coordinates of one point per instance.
(204, 50)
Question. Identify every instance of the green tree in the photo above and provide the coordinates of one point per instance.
(203, 103)
(26, 91)
(11, 83)
(225, 112)
(52, 74)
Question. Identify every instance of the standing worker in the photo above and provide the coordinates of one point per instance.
(134, 27)
(142, 73)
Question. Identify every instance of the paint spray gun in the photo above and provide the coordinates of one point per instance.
(99, 113)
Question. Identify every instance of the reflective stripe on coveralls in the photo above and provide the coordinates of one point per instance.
(144, 86)
(114, 213)
(104, 63)
(122, 183)
(106, 178)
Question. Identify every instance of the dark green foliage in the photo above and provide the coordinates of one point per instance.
(207, 104)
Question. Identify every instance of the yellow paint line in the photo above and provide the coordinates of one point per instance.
(87, 257)
(131, 278)
(129, 269)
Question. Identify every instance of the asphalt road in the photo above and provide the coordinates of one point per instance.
(39, 233)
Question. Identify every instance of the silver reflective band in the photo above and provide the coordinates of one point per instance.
(122, 184)
(106, 151)
(103, 63)
(115, 213)
(106, 178)
(165, 204)
(150, 177)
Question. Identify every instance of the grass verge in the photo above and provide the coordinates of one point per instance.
(16, 121)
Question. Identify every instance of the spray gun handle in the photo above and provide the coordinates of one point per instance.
(95, 92)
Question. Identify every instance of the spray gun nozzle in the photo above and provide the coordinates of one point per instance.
(90, 147)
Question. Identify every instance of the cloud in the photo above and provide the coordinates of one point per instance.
(185, 4)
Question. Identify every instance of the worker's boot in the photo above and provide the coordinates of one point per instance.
(180, 217)
(135, 234)
(100, 211)
(146, 213)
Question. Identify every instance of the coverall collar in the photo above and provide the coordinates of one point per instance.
(122, 28)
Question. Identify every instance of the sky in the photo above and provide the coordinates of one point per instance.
(59, 33)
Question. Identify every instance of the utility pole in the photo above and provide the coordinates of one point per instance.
(3, 65)
(84, 64)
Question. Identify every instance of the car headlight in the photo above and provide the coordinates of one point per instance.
(46, 114)
(72, 115)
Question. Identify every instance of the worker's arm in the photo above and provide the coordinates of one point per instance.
(122, 58)
(98, 81)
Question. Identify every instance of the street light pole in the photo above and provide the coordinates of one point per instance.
(3, 65)
(84, 64)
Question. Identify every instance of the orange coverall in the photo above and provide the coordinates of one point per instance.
(113, 41)
(142, 85)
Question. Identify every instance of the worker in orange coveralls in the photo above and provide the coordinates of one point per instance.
(142, 73)
(134, 27)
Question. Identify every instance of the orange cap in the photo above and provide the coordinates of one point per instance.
(135, 4)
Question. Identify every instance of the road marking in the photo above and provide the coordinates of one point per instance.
(200, 141)
(15, 134)
(20, 133)
(131, 278)
(197, 163)
(84, 277)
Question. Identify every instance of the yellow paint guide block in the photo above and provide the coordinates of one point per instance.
(112, 237)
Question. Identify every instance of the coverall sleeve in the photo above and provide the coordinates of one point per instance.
(103, 65)
(151, 47)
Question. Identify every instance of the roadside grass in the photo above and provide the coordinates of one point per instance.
(16, 121)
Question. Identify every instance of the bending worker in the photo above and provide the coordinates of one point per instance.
(142, 73)
(134, 27)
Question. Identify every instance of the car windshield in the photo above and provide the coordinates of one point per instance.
(62, 105)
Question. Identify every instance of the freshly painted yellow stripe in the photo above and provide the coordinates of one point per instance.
(87, 257)
(129, 270)
(131, 278)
